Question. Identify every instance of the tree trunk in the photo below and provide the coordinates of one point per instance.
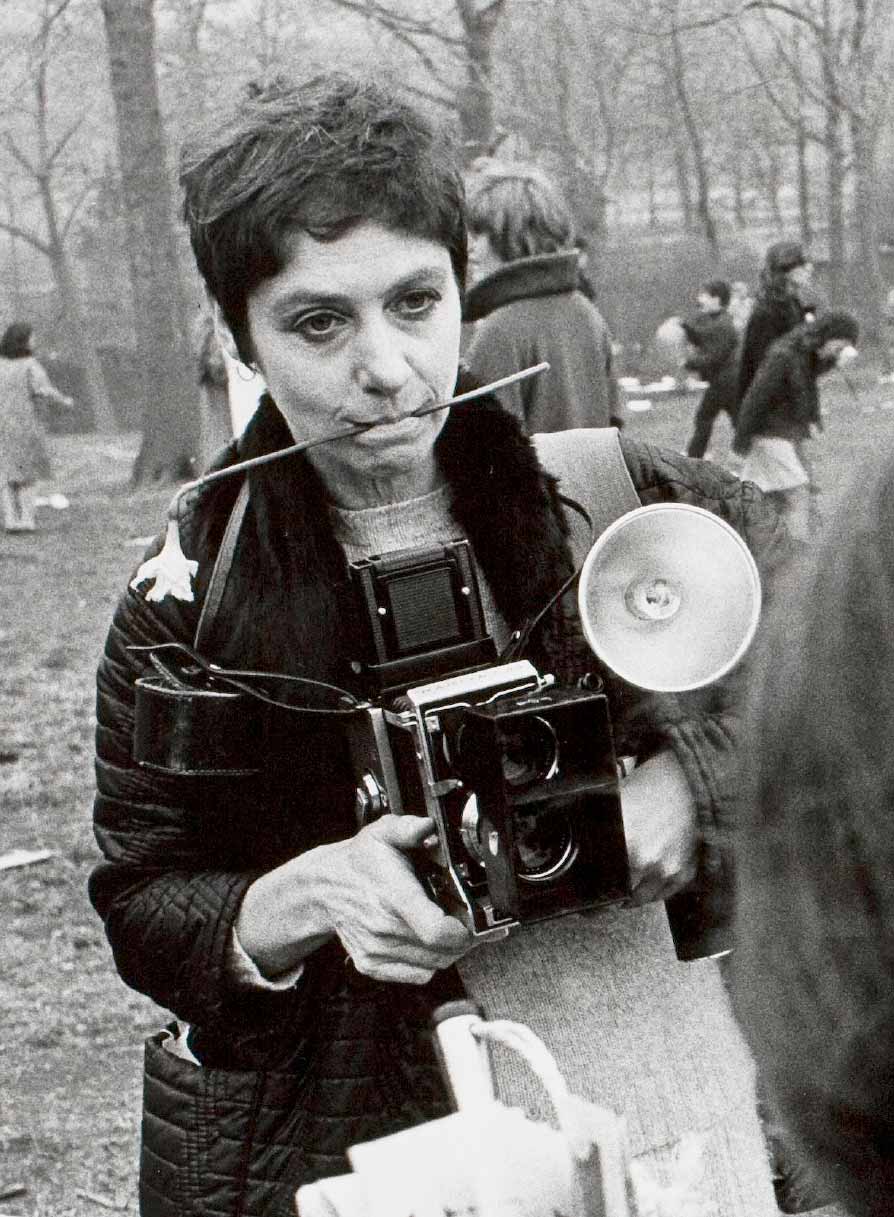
(169, 413)
(804, 217)
(703, 205)
(835, 204)
(866, 196)
(79, 340)
(476, 101)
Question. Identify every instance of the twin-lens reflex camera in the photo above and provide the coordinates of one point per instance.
(518, 774)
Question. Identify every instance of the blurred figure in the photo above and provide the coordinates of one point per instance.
(814, 964)
(784, 300)
(527, 304)
(741, 304)
(215, 430)
(781, 409)
(23, 451)
(714, 357)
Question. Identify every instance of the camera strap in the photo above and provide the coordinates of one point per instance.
(222, 563)
(590, 467)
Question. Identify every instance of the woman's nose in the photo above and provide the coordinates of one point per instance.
(381, 365)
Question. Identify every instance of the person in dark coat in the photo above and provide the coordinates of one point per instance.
(301, 956)
(812, 969)
(526, 303)
(781, 410)
(784, 299)
(714, 358)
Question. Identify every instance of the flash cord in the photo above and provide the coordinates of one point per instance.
(521, 637)
(346, 703)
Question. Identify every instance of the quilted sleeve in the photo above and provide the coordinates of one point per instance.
(703, 727)
(170, 881)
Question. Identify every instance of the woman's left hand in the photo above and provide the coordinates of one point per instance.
(660, 826)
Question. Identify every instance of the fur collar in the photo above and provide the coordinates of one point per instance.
(539, 275)
(287, 604)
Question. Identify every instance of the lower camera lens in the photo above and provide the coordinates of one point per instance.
(545, 846)
(530, 752)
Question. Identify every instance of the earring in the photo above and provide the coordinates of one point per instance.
(243, 368)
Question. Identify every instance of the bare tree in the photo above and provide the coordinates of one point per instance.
(843, 92)
(169, 407)
(440, 46)
(43, 165)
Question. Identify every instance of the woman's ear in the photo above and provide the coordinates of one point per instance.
(225, 337)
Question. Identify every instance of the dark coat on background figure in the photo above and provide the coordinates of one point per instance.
(532, 310)
(783, 399)
(716, 360)
(772, 317)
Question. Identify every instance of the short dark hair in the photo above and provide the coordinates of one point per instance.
(520, 209)
(16, 340)
(719, 289)
(317, 156)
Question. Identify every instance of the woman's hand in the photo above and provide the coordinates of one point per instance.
(363, 890)
(660, 827)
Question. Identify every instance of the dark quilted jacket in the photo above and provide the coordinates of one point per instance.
(290, 1079)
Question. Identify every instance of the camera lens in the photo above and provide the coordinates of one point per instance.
(530, 752)
(468, 829)
(545, 846)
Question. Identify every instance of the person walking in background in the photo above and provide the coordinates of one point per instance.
(714, 357)
(23, 451)
(527, 306)
(784, 300)
(781, 408)
(812, 969)
(215, 429)
(741, 304)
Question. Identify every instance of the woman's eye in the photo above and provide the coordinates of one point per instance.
(418, 304)
(317, 326)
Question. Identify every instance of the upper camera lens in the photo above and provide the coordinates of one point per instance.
(530, 752)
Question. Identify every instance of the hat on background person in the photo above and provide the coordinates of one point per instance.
(836, 323)
(785, 256)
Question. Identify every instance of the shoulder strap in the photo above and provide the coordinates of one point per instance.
(222, 563)
(591, 469)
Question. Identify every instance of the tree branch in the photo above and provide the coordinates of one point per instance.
(23, 233)
(399, 24)
(19, 155)
(76, 206)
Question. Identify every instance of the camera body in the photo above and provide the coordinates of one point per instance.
(518, 774)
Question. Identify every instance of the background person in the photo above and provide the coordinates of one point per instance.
(527, 305)
(301, 957)
(741, 304)
(784, 299)
(23, 449)
(812, 969)
(215, 426)
(715, 358)
(782, 408)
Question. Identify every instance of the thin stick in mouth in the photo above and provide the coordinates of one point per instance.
(303, 445)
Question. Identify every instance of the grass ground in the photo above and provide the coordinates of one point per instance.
(70, 1032)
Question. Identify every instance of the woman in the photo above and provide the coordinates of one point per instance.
(781, 409)
(303, 958)
(813, 968)
(784, 299)
(527, 305)
(23, 455)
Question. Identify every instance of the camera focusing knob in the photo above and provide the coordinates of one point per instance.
(370, 800)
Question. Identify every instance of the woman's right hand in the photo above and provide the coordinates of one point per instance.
(365, 891)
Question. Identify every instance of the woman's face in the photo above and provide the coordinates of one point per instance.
(359, 329)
